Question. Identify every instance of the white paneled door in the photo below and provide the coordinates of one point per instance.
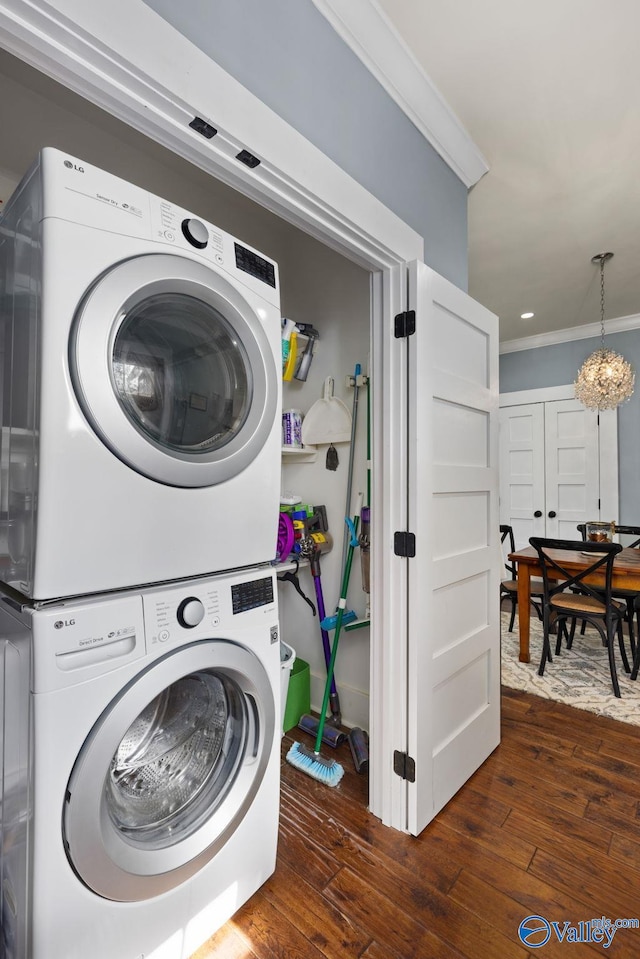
(522, 479)
(550, 466)
(453, 677)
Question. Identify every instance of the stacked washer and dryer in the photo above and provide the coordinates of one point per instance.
(139, 643)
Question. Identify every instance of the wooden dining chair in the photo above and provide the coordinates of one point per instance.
(630, 597)
(568, 597)
(509, 586)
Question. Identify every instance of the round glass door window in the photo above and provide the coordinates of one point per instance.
(169, 771)
(182, 376)
(176, 371)
(177, 761)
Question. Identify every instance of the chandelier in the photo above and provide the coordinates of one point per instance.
(605, 379)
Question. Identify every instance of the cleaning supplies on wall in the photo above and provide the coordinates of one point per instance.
(288, 330)
(292, 429)
(332, 461)
(292, 357)
(328, 420)
(305, 329)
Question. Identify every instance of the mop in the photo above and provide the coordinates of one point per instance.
(329, 622)
(358, 738)
(332, 735)
(307, 760)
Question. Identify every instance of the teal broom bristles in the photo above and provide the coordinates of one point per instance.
(326, 771)
(307, 760)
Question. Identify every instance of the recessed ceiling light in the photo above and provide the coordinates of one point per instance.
(526, 316)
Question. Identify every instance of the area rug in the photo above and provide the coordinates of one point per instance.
(579, 677)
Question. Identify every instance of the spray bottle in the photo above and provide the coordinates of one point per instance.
(288, 331)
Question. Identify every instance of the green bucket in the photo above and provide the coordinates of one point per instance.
(298, 694)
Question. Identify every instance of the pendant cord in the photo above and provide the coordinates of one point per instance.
(602, 303)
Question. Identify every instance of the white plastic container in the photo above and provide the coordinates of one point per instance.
(287, 659)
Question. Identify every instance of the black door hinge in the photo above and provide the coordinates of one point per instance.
(405, 324)
(404, 543)
(404, 766)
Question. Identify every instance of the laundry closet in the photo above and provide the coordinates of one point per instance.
(319, 287)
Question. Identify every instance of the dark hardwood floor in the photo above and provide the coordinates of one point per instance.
(550, 825)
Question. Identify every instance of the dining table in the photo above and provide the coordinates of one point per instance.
(626, 575)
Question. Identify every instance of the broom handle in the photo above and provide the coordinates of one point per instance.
(326, 643)
(336, 637)
(352, 452)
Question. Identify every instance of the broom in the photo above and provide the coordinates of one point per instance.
(307, 760)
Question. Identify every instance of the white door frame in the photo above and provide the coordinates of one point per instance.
(126, 59)
(609, 494)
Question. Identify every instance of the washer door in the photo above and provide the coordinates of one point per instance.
(174, 371)
(168, 772)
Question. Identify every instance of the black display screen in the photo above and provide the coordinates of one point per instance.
(250, 262)
(257, 592)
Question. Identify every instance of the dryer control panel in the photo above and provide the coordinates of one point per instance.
(178, 228)
(84, 194)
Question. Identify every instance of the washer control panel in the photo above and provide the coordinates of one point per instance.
(207, 606)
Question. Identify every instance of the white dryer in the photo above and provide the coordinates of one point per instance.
(140, 762)
(141, 421)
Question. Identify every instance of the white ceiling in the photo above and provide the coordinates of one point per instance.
(548, 90)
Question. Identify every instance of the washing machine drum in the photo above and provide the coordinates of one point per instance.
(178, 756)
(157, 791)
(174, 370)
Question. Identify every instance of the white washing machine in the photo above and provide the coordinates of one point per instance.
(140, 767)
(141, 406)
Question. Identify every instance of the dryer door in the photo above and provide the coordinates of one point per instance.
(169, 771)
(174, 370)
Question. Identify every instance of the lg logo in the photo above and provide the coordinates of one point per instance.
(59, 623)
(72, 166)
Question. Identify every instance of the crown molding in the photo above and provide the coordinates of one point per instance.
(368, 32)
(622, 325)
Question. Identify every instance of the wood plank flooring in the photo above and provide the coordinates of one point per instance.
(549, 825)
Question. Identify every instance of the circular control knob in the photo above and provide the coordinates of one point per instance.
(196, 233)
(190, 612)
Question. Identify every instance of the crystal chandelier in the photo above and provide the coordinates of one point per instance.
(605, 379)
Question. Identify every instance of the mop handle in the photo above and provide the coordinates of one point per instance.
(334, 650)
(332, 661)
(326, 644)
(354, 418)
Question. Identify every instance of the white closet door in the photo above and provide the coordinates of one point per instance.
(453, 680)
(522, 477)
(571, 457)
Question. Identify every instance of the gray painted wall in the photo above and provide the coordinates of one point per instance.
(288, 55)
(559, 365)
